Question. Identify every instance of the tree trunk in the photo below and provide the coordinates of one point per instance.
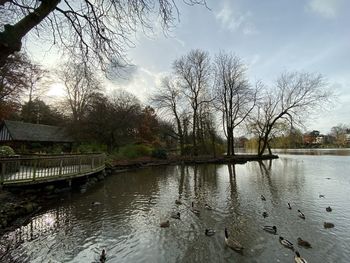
(194, 139)
(228, 152)
(11, 37)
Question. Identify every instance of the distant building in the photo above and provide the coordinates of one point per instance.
(347, 136)
(24, 136)
(313, 138)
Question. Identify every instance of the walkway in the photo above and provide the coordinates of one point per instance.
(39, 169)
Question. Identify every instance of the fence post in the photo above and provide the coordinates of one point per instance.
(35, 164)
(3, 167)
(92, 162)
(61, 163)
(79, 164)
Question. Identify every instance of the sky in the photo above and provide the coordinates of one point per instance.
(270, 36)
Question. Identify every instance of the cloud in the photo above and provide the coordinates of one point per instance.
(122, 75)
(326, 8)
(141, 85)
(234, 21)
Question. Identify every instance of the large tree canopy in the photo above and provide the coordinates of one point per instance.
(96, 31)
(294, 97)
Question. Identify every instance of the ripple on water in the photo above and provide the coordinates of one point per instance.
(127, 224)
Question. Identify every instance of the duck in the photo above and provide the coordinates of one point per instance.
(209, 232)
(103, 256)
(303, 243)
(286, 243)
(150, 201)
(298, 258)
(321, 196)
(300, 214)
(328, 225)
(328, 209)
(265, 214)
(289, 206)
(178, 202)
(165, 224)
(233, 244)
(270, 229)
(263, 198)
(208, 207)
(194, 210)
(175, 215)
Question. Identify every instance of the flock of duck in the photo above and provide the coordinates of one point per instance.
(301, 242)
(234, 244)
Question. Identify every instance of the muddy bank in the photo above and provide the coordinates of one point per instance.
(124, 165)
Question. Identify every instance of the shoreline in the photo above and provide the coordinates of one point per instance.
(125, 165)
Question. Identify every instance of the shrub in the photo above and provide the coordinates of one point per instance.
(91, 147)
(132, 151)
(6, 151)
(160, 153)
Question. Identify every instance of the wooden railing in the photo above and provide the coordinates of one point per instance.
(38, 169)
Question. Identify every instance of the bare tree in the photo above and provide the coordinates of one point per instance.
(295, 96)
(36, 83)
(339, 133)
(95, 31)
(80, 86)
(14, 77)
(235, 98)
(168, 99)
(193, 72)
(17, 76)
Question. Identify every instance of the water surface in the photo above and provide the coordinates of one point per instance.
(125, 221)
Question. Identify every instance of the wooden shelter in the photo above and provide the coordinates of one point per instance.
(24, 136)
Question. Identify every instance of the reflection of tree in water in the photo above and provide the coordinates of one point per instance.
(277, 177)
(265, 171)
(233, 186)
(38, 226)
(182, 178)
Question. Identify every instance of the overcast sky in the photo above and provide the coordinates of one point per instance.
(271, 36)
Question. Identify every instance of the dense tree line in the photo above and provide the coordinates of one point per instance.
(202, 99)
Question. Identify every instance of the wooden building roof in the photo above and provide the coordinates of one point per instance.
(22, 131)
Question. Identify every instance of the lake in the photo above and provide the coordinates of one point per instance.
(122, 214)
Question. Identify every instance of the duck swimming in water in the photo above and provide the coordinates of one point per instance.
(328, 209)
(303, 243)
(231, 243)
(209, 232)
(208, 207)
(165, 224)
(298, 258)
(328, 225)
(175, 215)
(103, 256)
(178, 201)
(286, 243)
(289, 207)
(263, 198)
(265, 214)
(194, 210)
(300, 214)
(270, 229)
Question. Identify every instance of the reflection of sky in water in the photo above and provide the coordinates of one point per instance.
(126, 223)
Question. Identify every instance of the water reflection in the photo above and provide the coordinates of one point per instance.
(126, 222)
